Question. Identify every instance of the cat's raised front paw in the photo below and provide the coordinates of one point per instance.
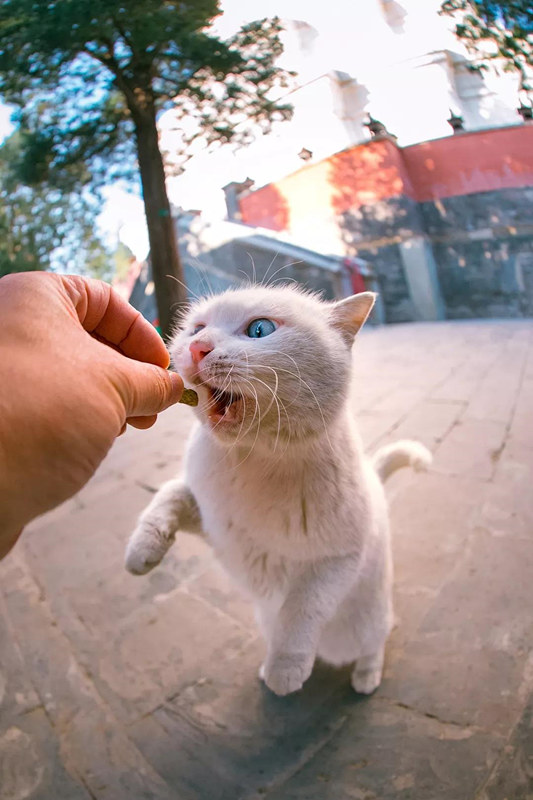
(145, 550)
(287, 672)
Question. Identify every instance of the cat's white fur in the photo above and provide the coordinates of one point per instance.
(282, 490)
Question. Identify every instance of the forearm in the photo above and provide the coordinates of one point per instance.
(11, 516)
(46, 452)
(17, 501)
(34, 478)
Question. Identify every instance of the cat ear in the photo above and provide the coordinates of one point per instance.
(348, 315)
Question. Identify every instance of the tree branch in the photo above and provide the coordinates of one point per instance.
(109, 61)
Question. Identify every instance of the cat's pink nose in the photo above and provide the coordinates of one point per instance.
(199, 349)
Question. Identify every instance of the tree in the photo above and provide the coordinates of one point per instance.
(500, 32)
(122, 259)
(46, 226)
(91, 76)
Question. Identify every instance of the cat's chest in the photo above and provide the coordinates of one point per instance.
(292, 514)
(245, 506)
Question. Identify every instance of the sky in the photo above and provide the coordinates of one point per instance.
(123, 218)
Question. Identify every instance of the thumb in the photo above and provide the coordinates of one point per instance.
(146, 389)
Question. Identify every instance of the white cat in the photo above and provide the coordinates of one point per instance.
(276, 479)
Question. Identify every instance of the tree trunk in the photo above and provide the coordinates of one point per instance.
(166, 264)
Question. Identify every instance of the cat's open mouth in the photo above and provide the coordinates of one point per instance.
(224, 406)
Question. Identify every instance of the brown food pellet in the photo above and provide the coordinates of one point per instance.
(189, 397)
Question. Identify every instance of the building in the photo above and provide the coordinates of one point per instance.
(447, 224)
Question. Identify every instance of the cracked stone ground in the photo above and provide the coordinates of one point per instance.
(120, 688)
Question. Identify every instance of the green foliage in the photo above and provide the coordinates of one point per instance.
(45, 226)
(85, 75)
(500, 32)
(90, 76)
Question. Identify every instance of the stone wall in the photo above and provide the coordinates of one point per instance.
(483, 245)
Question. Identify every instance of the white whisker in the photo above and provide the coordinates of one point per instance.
(188, 291)
(250, 449)
(280, 269)
(265, 276)
(302, 382)
(274, 399)
(254, 274)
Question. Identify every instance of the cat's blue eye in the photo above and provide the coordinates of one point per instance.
(197, 328)
(259, 328)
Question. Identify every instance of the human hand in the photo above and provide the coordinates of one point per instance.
(76, 364)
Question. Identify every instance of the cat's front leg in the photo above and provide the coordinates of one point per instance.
(285, 673)
(173, 508)
(312, 600)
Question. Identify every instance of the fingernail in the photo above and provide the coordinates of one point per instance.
(189, 397)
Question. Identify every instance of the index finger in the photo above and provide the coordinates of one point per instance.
(102, 311)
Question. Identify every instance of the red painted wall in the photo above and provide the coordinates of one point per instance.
(369, 172)
(463, 164)
(266, 208)
(466, 163)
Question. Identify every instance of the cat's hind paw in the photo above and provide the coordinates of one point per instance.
(286, 673)
(366, 682)
(144, 551)
(366, 675)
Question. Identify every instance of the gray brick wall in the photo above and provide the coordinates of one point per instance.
(482, 244)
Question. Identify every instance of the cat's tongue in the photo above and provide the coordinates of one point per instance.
(231, 413)
(224, 407)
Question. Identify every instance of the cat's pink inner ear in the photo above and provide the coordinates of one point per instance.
(349, 315)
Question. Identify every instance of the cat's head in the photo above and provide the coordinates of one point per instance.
(269, 364)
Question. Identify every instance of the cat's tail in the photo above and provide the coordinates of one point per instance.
(406, 453)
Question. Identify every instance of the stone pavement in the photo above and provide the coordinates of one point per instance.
(121, 688)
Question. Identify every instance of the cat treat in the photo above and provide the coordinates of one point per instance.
(189, 397)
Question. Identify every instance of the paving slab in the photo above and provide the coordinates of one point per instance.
(387, 752)
(469, 661)
(428, 422)
(121, 688)
(512, 776)
(90, 743)
(227, 737)
(471, 448)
